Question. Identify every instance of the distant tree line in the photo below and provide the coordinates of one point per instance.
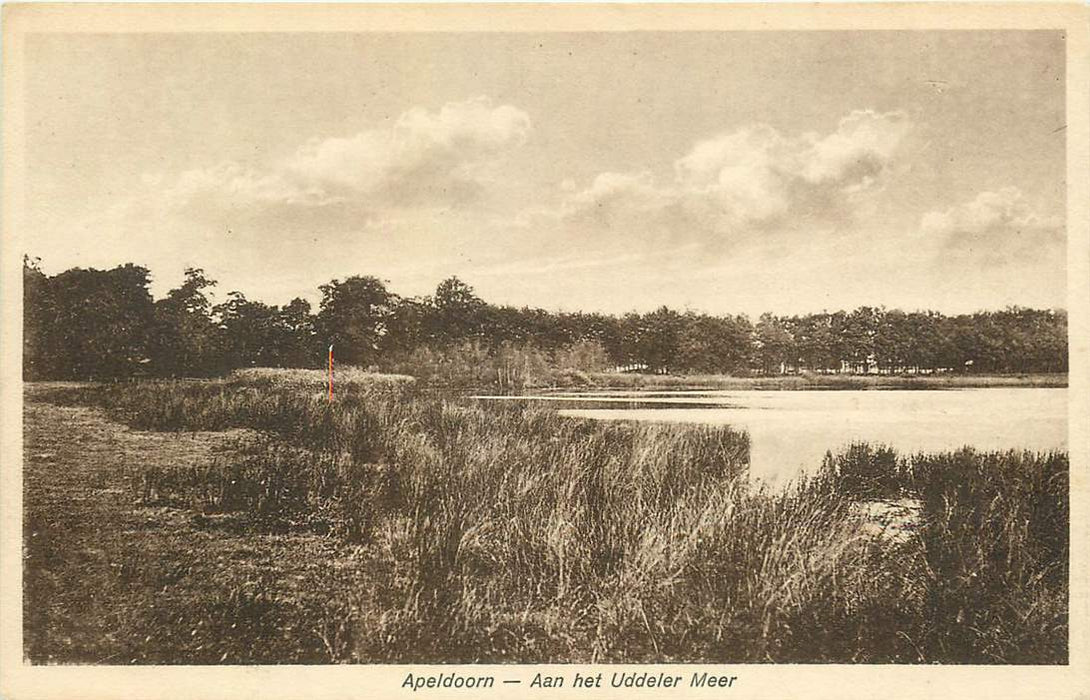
(88, 323)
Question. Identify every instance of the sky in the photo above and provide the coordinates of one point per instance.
(725, 172)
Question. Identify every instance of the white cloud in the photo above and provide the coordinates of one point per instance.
(611, 194)
(857, 152)
(752, 178)
(230, 182)
(331, 200)
(425, 155)
(995, 226)
(442, 157)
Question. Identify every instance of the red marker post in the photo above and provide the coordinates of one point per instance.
(331, 373)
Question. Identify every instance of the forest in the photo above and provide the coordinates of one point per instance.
(86, 323)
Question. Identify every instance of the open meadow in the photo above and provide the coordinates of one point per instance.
(250, 519)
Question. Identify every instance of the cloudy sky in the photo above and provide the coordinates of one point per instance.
(724, 172)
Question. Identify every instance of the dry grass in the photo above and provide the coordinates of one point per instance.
(506, 532)
(317, 378)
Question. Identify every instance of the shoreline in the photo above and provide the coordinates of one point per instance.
(811, 382)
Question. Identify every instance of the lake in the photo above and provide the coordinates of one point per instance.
(791, 430)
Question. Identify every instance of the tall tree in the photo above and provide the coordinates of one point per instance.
(355, 316)
(816, 341)
(657, 338)
(774, 346)
(86, 323)
(39, 320)
(299, 347)
(458, 312)
(714, 344)
(891, 340)
(860, 329)
(187, 341)
(252, 335)
(100, 322)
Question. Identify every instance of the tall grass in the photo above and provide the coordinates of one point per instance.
(994, 545)
(511, 533)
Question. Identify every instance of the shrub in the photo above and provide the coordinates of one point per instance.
(867, 472)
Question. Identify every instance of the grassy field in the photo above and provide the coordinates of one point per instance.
(249, 520)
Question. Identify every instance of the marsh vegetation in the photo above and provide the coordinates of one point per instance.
(420, 526)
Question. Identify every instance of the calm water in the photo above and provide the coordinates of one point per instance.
(791, 430)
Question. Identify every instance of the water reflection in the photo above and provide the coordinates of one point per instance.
(791, 430)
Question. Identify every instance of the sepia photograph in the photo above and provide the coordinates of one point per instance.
(629, 348)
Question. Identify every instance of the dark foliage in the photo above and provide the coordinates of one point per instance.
(90, 323)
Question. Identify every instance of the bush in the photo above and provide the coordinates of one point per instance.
(867, 472)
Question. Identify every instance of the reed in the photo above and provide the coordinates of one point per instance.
(512, 533)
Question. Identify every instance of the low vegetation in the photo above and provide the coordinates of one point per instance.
(794, 382)
(994, 545)
(471, 532)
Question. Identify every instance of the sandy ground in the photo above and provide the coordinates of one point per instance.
(895, 521)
